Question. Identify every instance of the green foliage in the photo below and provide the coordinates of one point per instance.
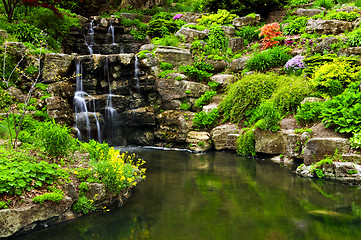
(343, 16)
(206, 120)
(303, 130)
(355, 141)
(213, 85)
(53, 197)
(327, 4)
(331, 78)
(295, 26)
(205, 98)
(166, 66)
(344, 111)
(195, 26)
(216, 37)
(19, 172)
(246, 142)
(185, 106)
(5, 99)
(298, 2)
(269, 58)
(3, 205)
(199, 70)
(83, 187)
(162, 27)
(55, 139)
(83, 205)
(138, 35)
(168, 40)
(317, 167)
(222, 17)
(354, 38)
(266, 117)
(250, 33)
(165, 73)
(143, 54)
(97, 151)
(309, 112)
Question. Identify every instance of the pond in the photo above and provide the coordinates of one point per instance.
(219, 195)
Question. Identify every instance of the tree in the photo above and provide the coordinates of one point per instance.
(11, 5)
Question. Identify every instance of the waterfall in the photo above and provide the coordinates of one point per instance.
(111, 31)
(89, 39)
(136, 73)
(81, 108)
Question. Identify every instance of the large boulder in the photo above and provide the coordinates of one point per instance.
(13, 220)
(243, 21)
(62, 89)
(239, 64)
(191, 17)
(219, 135)
(174, 126)
(271, 143)
(236, 44)
(307, 12)
(56, 66)
(137, 117)
(198, 141)
(317, 149)
(324, 44)
(89, 121)
(190, 34)
(175, 56)
(59, 110)
(224, 80)
(325, 27)
(352, 51)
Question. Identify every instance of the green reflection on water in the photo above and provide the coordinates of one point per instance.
(219, 196)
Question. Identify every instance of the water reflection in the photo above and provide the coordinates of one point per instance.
(220, 196)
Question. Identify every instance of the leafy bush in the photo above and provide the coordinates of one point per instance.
(326, 4)
(298, 2)
(216, 37)
(344, 111)
(250, 33)
(270, 32)
(3, 205)
(309, 112)
(165, 73)
(295, 26)
(343, 16)
(269, 58)
(355, 141)
(245, 144)
(205, 120)
(185, 106)
(97, 151)
(168, 40)
(199, 70)
(354, 38)
(53, 197)
(195, 26)
(143, 54)
(162, 27)
(205, 98)
(331, 78)
(166, 66)
(222, 17)
(266, 117)
(317, 167)
(83, 205)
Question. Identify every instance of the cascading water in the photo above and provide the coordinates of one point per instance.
(136, 73)
(89, 39)
(111, 31)
(111, 113)
(81, 109)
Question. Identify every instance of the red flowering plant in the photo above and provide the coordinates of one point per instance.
(269, 32)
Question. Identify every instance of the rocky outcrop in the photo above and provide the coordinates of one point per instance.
(219, 136)
(352, 51)
(199, 141)
(270, 143)
(62, 89)
(236, 44)
(317, 148)
(325, 27)
(324, 44)
(224, 80)
(239, 64)
(243, 21)
(175, 56)
(56, 67)
(306, 12)
(190, 34)
(59, 110)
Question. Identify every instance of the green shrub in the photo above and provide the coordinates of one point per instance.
(327, 4)
(216, 37)
(168, 40)
(196, 27)
(222, 17)
(354, 38)
(166, 66)
(309, 112)
(331, 78)
(205, 98)
(206, 120)
(269, 58)
(83, 205)
(343, 16)
(355, 141)
(199, 70)
(53, 197)
(295, 26)
(162, 27)
(266, 117)
(250, 33)
(213, 85)
(3, 205)
(165, 73)
(97, 151)
(245, 144)
(143, 54)
(185, 106)
(298, 2)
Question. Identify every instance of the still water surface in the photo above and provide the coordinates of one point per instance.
(219, 196)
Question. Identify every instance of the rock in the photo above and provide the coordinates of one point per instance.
(276, 16)
(59, 110)
(236, 44)
(145, 139)
(198, 141)
(271, 143)
(125, 58)
(218, 65)
(56, 66)
(232, 141)
(62, 89)
(354, 158)
(239, 64)
(147, 83)
(307, 12)
(316, 149)
(149, 47)
(331, 215)
(289, 123)
(149, 61)
(229, 31)
(311, 100)
(208, 108)
(17, 94)
(191, 17)
(173, 55)
(219, 135)
(190, 34)
(13, 220)
(243, 21)
(324, 44)
(17, 49)
(171, 90)
(348, 9)
(137, 117)
(3, 34)
(320, 131)
(104, 22)
(96, 192)
(325, 27)
(88, 121)
(174, 126)
(224, 80)
(352, 51)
